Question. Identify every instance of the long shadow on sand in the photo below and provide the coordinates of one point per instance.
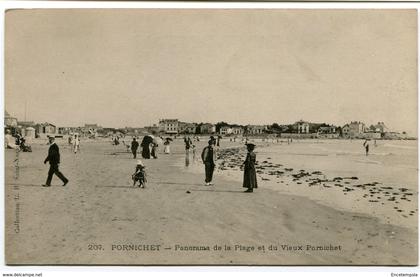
(118, 187)
(205, 190)
(175, 183)
(152, 184)
(26, 185)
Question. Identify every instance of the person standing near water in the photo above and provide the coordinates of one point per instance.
(366, 145)
(250, 176)
(167, 149)
(134, 147)
(188, 143)
(207, 157)
(54, 159)
(193, 151)
(154, 150)
(76, 143)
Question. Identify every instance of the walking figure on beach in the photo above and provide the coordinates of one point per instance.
(193, 151)
(188, 143)
(134, 147)
(207, 157)
(366, 145)
(54, 159)
(76, 143)
(116, 140)
(154, 150)
(145, 144)
(167, 149)
(250, 176)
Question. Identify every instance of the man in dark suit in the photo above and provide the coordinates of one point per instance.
(54, 159)
(134, 147)
(208, 158)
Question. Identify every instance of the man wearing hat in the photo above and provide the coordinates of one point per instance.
(250, 176)
(54, 159)
(208, 159)
(212, 138)
(134, 147)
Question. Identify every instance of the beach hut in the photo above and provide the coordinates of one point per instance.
(29, 134)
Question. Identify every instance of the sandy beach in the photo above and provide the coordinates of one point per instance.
(317, 204)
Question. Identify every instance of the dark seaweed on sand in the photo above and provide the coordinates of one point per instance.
(233, 158)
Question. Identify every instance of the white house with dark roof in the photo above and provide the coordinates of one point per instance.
(256, 129)
(169, 126)
(302, 127)
(225, 130)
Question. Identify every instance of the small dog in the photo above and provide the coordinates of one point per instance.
(139, 175)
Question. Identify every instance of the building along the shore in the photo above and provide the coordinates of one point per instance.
(68, 130)
(207, 128)
(225, 130)
(395, 135)
(169, 126)
(354, 129)
(379, 128)
(302, 127)
(45, 129)
(237, 131)
(186, 128)
(328, 132)
(255, 130)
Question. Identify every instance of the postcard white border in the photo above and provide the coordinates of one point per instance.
(82, 271)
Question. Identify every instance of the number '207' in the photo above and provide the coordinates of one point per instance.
(95, 247)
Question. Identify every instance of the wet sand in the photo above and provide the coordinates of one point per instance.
(383, 184)
(66, 225)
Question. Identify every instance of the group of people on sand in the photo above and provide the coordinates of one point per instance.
(189, 145)
(16, 142)
(366, 145)
(208, 156)
(74, 141)
(149, 149)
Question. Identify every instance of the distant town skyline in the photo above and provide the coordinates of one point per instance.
(121, 68)
(156, 124)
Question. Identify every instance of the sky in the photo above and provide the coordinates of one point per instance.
(122, 68)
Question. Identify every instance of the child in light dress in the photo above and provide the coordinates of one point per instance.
(139, 175)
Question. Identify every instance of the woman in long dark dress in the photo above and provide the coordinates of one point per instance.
(250, 176)
(145, 144)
